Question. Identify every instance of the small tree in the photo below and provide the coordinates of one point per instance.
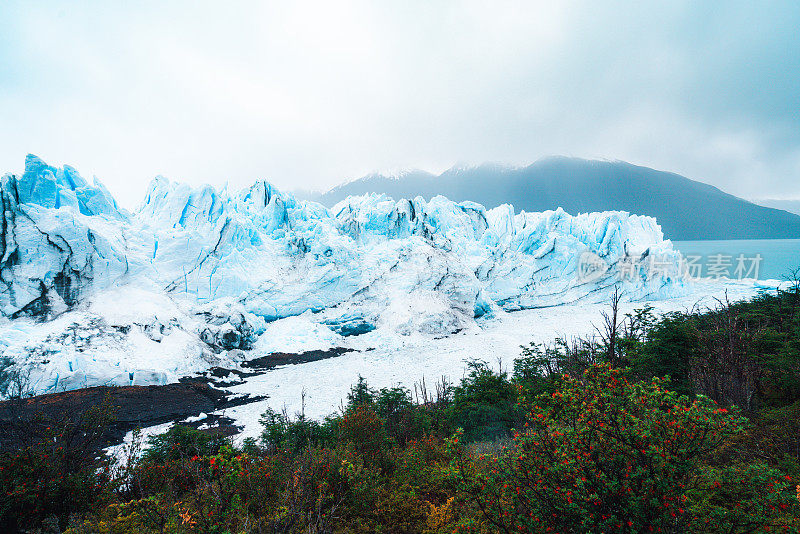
(360, 394)
(484, 403)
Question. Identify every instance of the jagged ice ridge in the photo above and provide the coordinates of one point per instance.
(196, 277)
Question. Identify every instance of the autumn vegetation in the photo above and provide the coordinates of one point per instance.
(688, 422)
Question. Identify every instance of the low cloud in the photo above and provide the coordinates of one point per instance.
(307, 95)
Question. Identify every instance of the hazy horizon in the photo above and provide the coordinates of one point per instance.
(790, 204)
(309, 96)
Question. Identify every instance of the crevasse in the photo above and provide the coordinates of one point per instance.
(281, 257)
(235, 261)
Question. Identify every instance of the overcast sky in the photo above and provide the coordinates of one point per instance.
(307, 95)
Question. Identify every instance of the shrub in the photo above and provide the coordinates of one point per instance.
(57, 473)
(182, 441)
(363, 429)
(484, 404)
(293, 436)
(742, 498)
(602, 454)
(404, 420)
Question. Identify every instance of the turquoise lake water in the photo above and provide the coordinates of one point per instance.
(778, 256)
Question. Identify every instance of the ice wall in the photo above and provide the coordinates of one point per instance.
(279, 257)
(192, 278)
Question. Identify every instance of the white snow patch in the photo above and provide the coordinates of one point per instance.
(296, 334)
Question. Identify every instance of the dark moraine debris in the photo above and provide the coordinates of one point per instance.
(132, 406)
(276, 359)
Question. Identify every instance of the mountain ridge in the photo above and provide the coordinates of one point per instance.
(686, 209)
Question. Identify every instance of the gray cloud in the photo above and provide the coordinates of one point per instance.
(306, 95)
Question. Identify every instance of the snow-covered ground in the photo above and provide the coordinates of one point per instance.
(406, 361)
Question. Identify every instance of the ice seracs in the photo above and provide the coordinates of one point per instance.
(59, 235)
(223, 266)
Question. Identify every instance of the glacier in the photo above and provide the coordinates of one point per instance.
(197, 277)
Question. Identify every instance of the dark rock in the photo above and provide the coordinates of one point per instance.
(133, 406)
(228, 331)
(285, 358)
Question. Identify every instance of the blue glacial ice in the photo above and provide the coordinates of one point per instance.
(223, 265)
